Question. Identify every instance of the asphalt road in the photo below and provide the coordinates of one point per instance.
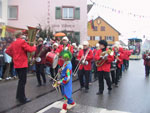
(132, 95)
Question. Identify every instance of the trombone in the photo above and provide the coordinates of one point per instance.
(82, 61)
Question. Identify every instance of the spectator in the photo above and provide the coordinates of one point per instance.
(1, 62)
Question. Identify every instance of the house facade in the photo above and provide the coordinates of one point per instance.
(99, 29)
(3, 12)
(69, 16)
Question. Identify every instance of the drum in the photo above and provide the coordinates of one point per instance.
(52, 59)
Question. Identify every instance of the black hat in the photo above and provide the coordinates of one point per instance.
(103, 42)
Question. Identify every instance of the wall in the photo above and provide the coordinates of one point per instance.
(4, 12)
(34, 12)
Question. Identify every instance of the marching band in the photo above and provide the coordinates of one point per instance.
(103, 61)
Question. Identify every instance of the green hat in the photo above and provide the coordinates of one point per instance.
(66, 54)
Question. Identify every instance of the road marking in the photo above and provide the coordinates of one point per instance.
(80, 108)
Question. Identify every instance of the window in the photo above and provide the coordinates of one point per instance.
(68, 13)
(109, 38)
(97, 38)
(58, 13)
(13, 12)
(77, 37)
(92, 37)
(88, 38)
(77, 13)
(95, 28)
(0, 8)
(102, 28)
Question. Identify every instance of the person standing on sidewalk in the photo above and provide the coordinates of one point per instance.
(1, 62)
(18, 51)
(8, 60)
(146, 58)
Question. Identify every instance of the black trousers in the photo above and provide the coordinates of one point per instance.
(147, 70)
(95, 71)
(101, 76)
(127, 64)
(22, 75)
(40, 72)
(113, 76)
(54, 71)
(118, 74)
(81, 74)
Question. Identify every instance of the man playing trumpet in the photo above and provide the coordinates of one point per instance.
(104, 69)
(85, 56)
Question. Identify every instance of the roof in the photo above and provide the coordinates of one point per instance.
(138, 39)
(89, 7)
(108, 24)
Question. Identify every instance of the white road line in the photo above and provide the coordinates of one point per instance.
(80, 108)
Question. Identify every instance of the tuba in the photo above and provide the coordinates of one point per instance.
(31, 39)
(103, 58)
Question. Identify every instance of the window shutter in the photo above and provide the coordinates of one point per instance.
(113, 38)
(77, 13)
(105, 38)
(77, 37)
(58, 13)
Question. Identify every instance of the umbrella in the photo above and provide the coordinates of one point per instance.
(59, 34)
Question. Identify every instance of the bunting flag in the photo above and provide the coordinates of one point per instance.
(119, 11)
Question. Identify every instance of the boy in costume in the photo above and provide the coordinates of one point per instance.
(66, 81)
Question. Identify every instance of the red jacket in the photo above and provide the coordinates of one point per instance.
(146, 60)
(120, 61)
(18, 51)
(88, 58)
(127, 54)
(60, 48)
(106, 66)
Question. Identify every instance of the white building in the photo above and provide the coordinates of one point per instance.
(3, 12)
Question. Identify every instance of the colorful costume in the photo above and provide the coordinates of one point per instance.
(66, 82)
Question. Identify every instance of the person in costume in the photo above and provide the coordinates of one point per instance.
(103, 69)
(66, 81)
(85, 67)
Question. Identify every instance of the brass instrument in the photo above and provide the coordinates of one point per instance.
(103, 58)
(82, 61)
(31, 39)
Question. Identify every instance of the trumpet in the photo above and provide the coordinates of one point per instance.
(103, 59)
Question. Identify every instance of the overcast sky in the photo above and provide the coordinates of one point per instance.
(128, 25)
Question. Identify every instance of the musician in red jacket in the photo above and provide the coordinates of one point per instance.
(119, 60)
(85, 55)
(146, 58)
(18, 51)
(127, 58)
(64, 46)
(103, 69)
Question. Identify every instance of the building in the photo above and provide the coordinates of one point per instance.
(69, 16)
(99, 29)
(3, 12)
